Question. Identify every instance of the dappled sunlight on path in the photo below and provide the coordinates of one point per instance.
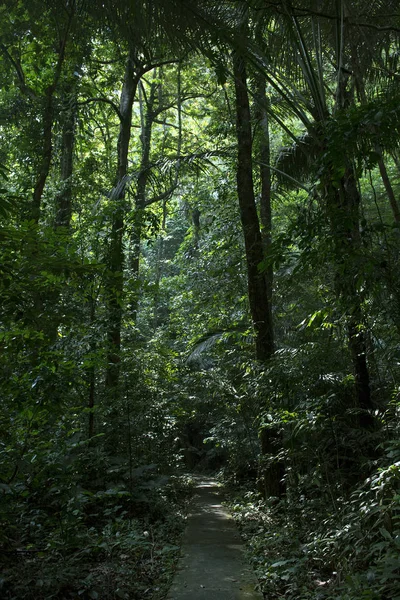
(212, 565)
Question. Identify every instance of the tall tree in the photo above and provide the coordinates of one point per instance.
(257, 288)
(115, 281)
(256, 243)
(68, 124)
(42, 91)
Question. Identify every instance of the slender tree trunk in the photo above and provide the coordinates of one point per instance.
(47, 120)
(257, 288)
(196, 228)
(344, 214)
(149, 112)
(160, 255)
(343, 211)
(91, 372)
(47, 153)
(343, 207)
(147, 116)
(388, 187)
(265, 179)
(351, 245)
(270, 474)
(271, 470)
(64, 197)
(115, 280)
(45, 166)
(159, 269)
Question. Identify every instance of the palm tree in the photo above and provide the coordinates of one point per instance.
(317, 81)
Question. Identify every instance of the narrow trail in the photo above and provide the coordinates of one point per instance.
(212, 565)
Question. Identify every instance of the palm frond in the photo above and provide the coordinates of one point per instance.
(298, 163)
(200, 354)
(354, 132)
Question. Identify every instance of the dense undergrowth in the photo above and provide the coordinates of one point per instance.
(76, 543)
(314, 547)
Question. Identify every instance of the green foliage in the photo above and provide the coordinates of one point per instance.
(5, 197)
(91, 504)
(73, 542)
(344, 551)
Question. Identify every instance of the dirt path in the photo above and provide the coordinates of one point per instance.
(212, 566)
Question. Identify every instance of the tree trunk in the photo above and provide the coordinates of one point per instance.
(64, 197)
(271, 483)
(91, 372)
(159, 269)
(344, 214)
(257, 288)
(270, 475)
(357, 342)
(388, 187)
(147, 118)
(149, 112)
(343, 211)
(47, 152)
(196, 214)
(47, 119)
(265, 180)
(271, 471)
(115, 279)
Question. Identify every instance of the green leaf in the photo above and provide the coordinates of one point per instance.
(385, 534)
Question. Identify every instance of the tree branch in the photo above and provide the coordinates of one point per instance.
(101, 99)
(161, 196)
(298, 11)
(165, 123)
(26, 89)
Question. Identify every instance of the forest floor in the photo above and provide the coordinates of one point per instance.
(212, 564)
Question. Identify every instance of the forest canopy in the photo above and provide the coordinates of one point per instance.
(199, 269)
